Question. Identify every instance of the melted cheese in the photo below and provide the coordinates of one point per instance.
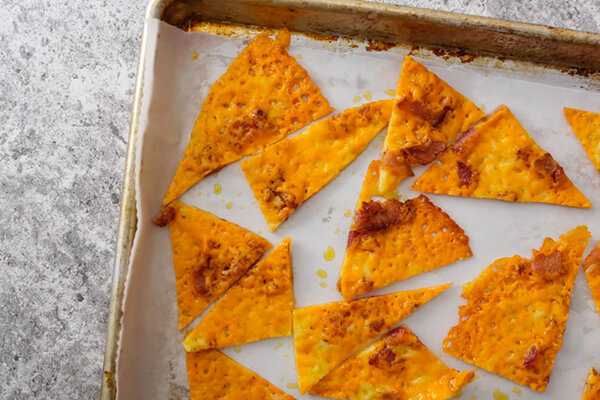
(258, 306)
(213, 375)
(429, 239)
(286, 174)
(436, 99)
(591, 266)
(516, 312)
(326, 334)
(591, 390)
(586, 126)
(397, 366)
(262, 97)
(209, 255)
(502, 159)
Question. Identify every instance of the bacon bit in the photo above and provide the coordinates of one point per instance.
(592, 262)
(530, 358)
(375, 216)
(352, 236)
(426, 153)
(439, 119)
(199, 281)
(383, 357)
(548, 166)
(397, 162)
(548, 264)
(377, 325)
(164, 216)
(420, 110)
(464, 173)
(458, 144)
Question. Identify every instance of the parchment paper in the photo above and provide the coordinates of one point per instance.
(180, 67)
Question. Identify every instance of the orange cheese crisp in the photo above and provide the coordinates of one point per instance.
(591, 390)
(209, 255)
(498, 159)
(262, 97)
(258, 306)
(326, 334)
(397, 366)
(394, 240)
(591, 266)
(286, 174)
(213, 375)
(586, 126)
(516, 312)
(427, 114)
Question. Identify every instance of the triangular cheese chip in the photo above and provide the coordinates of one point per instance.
(394, 240)
(326, 334)
(209, 255)
(516, 312)
(591, 391)
(397, 366)
(591, 266)
(586, 126)
(213, 375)
(286, 174)
(499, 160)
(262, 97)
(428, 113)
(258, 306)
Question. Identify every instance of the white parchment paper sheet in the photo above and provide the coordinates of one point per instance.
(151, 363)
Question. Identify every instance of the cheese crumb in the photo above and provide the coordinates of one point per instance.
(498, 395)
(292, 385)
(237, 349)
(390, 92)
(329, 254)
(322, 273)
(367, 95)
(356, 99)
(517, 390)
(323, 284)
(229, 205)
(217, 188)
(347, 213)
(195, 55)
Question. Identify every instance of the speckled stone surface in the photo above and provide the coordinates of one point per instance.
(67, 71)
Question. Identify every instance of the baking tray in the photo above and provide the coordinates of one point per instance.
(460, 38)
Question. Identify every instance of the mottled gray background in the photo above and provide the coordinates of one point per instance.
(67, 71)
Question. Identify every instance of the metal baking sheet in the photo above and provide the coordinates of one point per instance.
(530, 88)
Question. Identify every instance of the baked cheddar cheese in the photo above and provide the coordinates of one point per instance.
(394, 240)
(326, 334)
(586, 126)
(427, 114)
(286, 174)
(397, 366)
(591, 266)
(498, 159)
(262, 97)
(213, 375)
(591, 391)
(258, 306)
(516, 312)
(209, 255)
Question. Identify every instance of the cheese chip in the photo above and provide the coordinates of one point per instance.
(394, 240)
(591, 266)
(258, 306)
(427, 114)
(516, 312)
(591, 391)
(286, 174)
(397, 366)
(262, 97)
(498, 159)
(326, 334)
(209, 255)
(586, 126)
(213, 375)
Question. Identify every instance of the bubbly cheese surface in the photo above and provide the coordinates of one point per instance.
(586, 126)
(591, 390)
(517, 310)
(591, 267)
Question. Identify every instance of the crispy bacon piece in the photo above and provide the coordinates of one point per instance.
(420, 109)
(457, 147)
(546, 165)
(199, 281)
(164, 216)
(548, 264)
(383, 358)
(530, 358)
(426, 153)
(464, 173)
(373, 216)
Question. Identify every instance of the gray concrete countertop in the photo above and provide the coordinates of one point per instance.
(67, 71)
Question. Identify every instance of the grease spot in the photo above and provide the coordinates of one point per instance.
(329, 254)
(347, 213)
(356, 99)
(517, 390)
(322, 273)
(298, 56)
(323, 284)
(337, 230)
(368, 96)
(195, 55)
(278, 345)
(229, 205)
(498, 395)
(237, 349)
(390, 92)
(217, 188)
(292, 385)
